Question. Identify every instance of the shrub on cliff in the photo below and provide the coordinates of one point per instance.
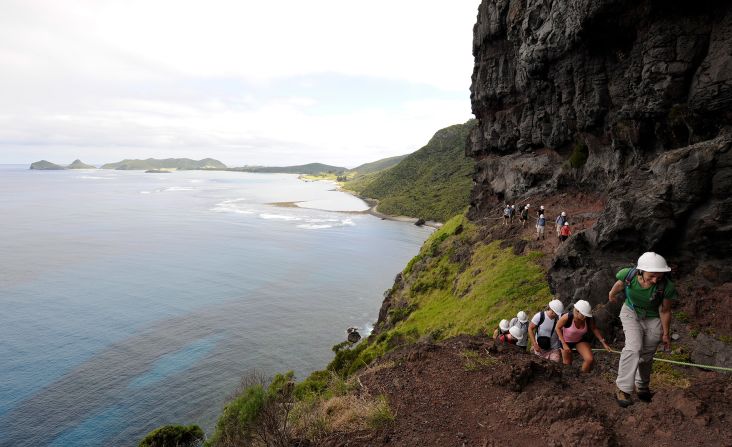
(258, 413)
(174, 436)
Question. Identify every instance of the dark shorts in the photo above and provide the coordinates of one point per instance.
(572, 344)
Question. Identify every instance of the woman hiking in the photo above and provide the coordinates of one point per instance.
(572, 329)
(646, 319)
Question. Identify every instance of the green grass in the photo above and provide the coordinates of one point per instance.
(446, 299)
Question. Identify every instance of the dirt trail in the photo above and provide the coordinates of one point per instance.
(467, 392)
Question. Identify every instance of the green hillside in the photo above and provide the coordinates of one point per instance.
(432, 183)
(309, 169)
(376, 166)
(168, 163)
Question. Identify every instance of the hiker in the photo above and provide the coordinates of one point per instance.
(572, 330)
(521, 321)
(646, 318)
(540, 211)
(524, 215)
(506, 214)
(560, 221)
(542, 330)
(501, 330)
(540, 224)
(515, 336)
(565, 232)
(513, 213)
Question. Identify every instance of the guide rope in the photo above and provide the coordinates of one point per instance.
(675, 362)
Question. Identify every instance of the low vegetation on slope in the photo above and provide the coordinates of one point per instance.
(433, 183)
(456, 285)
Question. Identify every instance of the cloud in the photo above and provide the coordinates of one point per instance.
(249, 82)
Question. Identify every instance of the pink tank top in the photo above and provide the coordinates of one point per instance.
(573, 334)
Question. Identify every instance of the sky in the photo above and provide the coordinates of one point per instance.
(247, 82)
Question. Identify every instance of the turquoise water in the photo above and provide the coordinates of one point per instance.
(133, 300)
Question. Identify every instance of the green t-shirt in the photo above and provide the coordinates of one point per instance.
(642, 297)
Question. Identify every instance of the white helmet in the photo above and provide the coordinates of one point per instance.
(528, 205)
(541, 216)
(652, 262)
(522, 317)
(516, 332)
(541, 207)
(503, 325)
(513, 206)
(566, 223)
(584, 308)
(556, 306)
(563, 213)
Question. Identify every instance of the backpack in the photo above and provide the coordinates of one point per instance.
(524, 214)
(656, 299)
(561, 219)
(545, 342)
(507, 211)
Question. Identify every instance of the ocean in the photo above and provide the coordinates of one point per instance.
(131, 300)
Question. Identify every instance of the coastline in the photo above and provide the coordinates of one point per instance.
(373, 204)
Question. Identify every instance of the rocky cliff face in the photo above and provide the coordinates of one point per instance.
(629, 100)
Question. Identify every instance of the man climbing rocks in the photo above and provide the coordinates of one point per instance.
(513, 213)
(542, 332)
(540, 224)
(646, 318)
(565, 232)
(506, 214)
(560, 221)
(524, 215)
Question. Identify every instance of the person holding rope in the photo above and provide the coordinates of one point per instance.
(646, 319)
(572, 329)
(544, 340)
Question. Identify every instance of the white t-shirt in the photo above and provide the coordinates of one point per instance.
(545, 330)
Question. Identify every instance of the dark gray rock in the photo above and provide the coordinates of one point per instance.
(627, 100)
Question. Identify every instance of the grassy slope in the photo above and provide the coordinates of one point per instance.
(433, 183)
(444, 294)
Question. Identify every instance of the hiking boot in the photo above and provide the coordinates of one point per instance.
(645, 395)
(623, 398)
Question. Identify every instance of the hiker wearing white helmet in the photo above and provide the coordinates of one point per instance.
(524, 215)
(521, 321)
(502, 329)
(513, 213)
(565, 232)
(572, 330)
(517, 336)
(540, 211)
(646, 319)
(540, 224)
(506, 214)
(560, 221)
(544, 340)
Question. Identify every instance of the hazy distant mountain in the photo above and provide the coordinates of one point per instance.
(168, 163)
(44, 165)
(78, 164)
(311, 169)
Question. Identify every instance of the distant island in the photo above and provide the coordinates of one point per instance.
(44, 165)
(308, 169)
(168, 163)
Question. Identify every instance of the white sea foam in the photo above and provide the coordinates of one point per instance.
(286, 217)
(145, 192)
(179, 188)
(319, 224)
(94, 177)
(314, 226)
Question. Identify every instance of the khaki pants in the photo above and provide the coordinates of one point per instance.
(559, 228)
(642, 337)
